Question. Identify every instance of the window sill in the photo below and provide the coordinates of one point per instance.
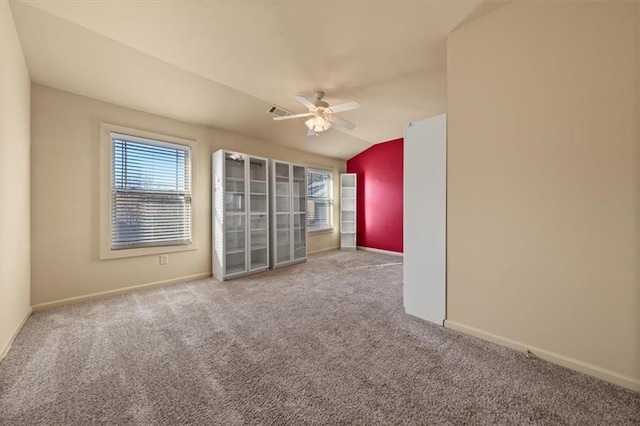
(144, 251)
(320, 231)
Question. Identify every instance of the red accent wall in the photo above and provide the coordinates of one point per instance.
(379, 198)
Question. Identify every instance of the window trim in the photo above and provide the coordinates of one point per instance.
(106, 177)
(331, 228)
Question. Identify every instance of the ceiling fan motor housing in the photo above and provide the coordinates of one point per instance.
(319, 94)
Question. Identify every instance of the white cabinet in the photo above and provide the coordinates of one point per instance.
(348, 211)
(240, 216)
(425, 218)
(288, 213)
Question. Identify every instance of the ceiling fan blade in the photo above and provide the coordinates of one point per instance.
(340, 122)
(287, 117)
(347, 106)
(304, 101)
(311, 132)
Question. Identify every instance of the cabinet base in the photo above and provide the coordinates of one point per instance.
(293, 262)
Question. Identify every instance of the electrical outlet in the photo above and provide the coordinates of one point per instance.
(164, 259)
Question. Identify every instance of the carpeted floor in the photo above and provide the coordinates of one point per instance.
(324, 342)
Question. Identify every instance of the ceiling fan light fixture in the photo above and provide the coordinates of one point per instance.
(321, 116)
(318, 124)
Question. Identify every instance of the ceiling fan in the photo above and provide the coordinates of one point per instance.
(322, 115)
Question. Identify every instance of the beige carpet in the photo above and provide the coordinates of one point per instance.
(324, 342)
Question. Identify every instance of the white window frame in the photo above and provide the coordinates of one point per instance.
(330, 228)
(106, 184)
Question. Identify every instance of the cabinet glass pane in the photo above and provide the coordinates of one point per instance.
(235, 263)
(235, 243)
(234, 195)
(258, 187)
(348, 180)
(299, 173)
(282, 196)
(283, 190)
(300, 189)
(259, 222)
(347, 227)
(348, 216)
(348, 205)
(259, 259)
(348, 240)
(258, 240)
(258, 169)
(234, 202)
(299, 196)
(348, 193)
(347, 222)
(282, 170)
(234, 185)
(299, 222)
(234, 166)
(282, 221)
(258, 203)
(301, 204)
(299, 236)
(283, 238)
(234, 233)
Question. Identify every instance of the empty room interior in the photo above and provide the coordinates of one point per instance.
(277, 212)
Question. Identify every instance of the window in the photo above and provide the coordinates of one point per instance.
(150, 193)
(319, 200)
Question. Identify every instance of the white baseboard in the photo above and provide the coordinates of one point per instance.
(324, 249)
(15, 333)
(570, 363)
(103, 294)
(395, 253)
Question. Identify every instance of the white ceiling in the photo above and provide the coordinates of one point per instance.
(223, 63)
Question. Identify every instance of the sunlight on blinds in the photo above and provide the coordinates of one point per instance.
(319, 200)
(151, 193)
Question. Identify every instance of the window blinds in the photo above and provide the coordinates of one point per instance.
(319, 200)
(151, 193)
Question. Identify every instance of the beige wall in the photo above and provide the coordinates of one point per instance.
(543, 183)
(65, 196)
(14, 182)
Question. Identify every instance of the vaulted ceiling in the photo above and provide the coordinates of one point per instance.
(223, 64)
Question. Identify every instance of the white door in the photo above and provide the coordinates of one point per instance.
(425, 198)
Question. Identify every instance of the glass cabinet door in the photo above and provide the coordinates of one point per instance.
(299, 189)
(282, 188)
(234, 195)
(299, 236)
(283, 237)
(258, 227)
(299, 212)
(235, 208)
(283, 212)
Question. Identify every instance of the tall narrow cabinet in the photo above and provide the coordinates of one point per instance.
(425, 219)
(348, 211)
(240, 214)
(288, 213)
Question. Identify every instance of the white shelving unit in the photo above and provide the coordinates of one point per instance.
(240, 218)
(348, 211)
(288, 213)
